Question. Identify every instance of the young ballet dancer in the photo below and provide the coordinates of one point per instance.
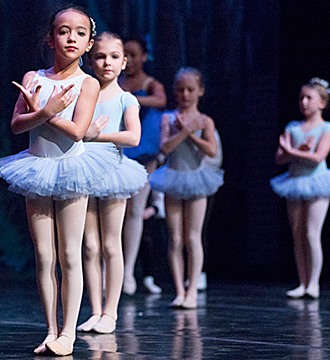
(151, 95)
(187, 137)
(305, 146)
(56, 174)
(116, 120)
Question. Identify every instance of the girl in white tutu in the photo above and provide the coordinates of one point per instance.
(187, 138)
(116, 119)
(305, 146)
(56, 174)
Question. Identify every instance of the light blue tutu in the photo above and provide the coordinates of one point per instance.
(187, 185)
(61, 177)
(125, 180)
(302, 187)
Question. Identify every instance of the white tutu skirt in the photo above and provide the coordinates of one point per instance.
(187, 185)
(125, 181)
(302, 187)
(94, 172)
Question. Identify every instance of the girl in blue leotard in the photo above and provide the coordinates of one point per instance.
(116, 120)
(151, 96)
(305, 146)
(188, 136)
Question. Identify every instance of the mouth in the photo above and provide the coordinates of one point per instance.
(71, 48)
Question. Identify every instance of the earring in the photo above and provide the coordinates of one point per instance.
(81, 63)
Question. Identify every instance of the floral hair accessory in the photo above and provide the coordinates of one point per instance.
(93, 30)
(316, 80)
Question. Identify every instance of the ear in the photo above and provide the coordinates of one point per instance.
(90, 45)
(123, 67)
(145, 57)
(324, 104)
(50, 42)
(201, 91)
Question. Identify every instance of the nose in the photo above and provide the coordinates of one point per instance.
(304, 100)
(72, 37)
(107, 60)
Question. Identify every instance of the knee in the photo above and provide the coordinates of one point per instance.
(45, 259)
(175, 245)
(70, 259)
(91, 250)
(110, 251)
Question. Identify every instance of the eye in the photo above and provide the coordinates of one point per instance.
(63, 31)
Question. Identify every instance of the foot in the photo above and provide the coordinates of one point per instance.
(177, 302)
(129, 287)
(313, 291)
(150, 285)
(189, 303)
(41, 349)
(296, 293)
(62, 346)
(89, 324)
(106, 325)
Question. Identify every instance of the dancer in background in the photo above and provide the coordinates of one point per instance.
(151, 96)
(187, 137)
(116, 120)
(56, 174)
(305, 146)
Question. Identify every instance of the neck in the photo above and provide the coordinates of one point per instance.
(314, 118)
(64, 68)
(109, 90)
(109, 85)
(137, 74)
(191, 111)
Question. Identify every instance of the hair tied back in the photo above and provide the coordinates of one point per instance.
(322, 82)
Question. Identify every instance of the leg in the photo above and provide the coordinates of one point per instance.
(41, 223)
(316, 212)
(133, 232)
(295, 209)
(70, 221)
(174, 215)
(92, 263)
(194, 213)
(111, 220)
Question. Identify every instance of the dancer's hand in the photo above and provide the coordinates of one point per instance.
(285, 143)
(31, 99)
(96, 128)
(188, 125)
(57, 102)
(308, 145)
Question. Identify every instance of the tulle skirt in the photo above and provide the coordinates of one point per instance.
(94, 172)
(126, 179)
(302, 187)
(187, 185)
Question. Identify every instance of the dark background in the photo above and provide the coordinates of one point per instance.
(254, 55)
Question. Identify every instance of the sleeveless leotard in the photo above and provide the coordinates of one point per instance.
(55, 165)
(304, 180)
(128, 176)
(186, 176)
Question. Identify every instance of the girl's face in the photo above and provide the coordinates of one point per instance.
(187, 91)
(71, 35)
(135, 57)
(310, 101)
(108, 59)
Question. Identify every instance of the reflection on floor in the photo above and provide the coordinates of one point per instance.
(232, 322)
